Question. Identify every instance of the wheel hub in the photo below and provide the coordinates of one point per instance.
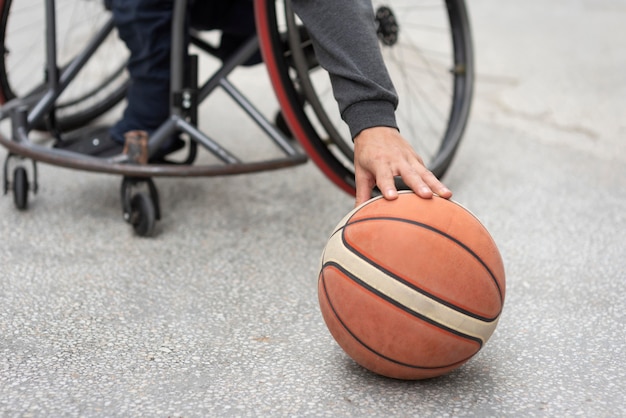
(388, 27)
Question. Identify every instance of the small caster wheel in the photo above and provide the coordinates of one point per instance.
(20, 188)
(142, 215)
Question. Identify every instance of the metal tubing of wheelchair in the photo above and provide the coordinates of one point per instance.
(246, 51)
(22, 146)
(19, 144)
(25, 148)
(161, 134)
(25, 112)
(211, 146)
(7, 109)
(52, 70)
(178, 52)
(175, 124)
(58, 84)
(19, 123)
(261, 121)
(51, 45)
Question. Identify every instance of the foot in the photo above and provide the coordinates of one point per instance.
(93, 141)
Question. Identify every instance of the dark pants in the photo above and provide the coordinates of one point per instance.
(145, 27)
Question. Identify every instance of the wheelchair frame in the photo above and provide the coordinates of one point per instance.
(181, 114)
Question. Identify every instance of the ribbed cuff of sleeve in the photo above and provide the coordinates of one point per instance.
(368, 114)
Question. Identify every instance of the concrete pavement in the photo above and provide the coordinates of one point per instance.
(217, 315)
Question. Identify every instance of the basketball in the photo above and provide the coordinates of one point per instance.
(411, 288)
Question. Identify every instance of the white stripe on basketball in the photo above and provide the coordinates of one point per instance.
(405, 295)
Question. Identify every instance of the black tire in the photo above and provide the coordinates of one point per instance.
(99, 86)
(435, 104)
(142, 215)
(20, 188)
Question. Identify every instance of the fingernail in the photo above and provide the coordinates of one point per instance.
(391, 194)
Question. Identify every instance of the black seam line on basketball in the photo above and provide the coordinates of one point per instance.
(412, 366)
(401, 306)
(451, 238)
(369, 202)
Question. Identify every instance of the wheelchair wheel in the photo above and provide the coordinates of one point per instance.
(100, 85)
(427, 49)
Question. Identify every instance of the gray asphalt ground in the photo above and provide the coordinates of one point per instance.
(218, 316)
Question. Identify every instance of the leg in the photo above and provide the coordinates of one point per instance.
(145, 27)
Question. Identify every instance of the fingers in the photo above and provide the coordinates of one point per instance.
(424, 183)
(365, 182)
(381, 154)
(364, 186)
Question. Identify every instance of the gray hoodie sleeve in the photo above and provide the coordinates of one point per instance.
(345, 41)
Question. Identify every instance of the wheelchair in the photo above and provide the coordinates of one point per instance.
(63, 68)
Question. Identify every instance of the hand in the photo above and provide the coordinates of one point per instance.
(380, 153)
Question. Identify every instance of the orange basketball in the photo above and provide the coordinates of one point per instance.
(411, 288)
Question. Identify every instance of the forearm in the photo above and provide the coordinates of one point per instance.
(344, 37)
